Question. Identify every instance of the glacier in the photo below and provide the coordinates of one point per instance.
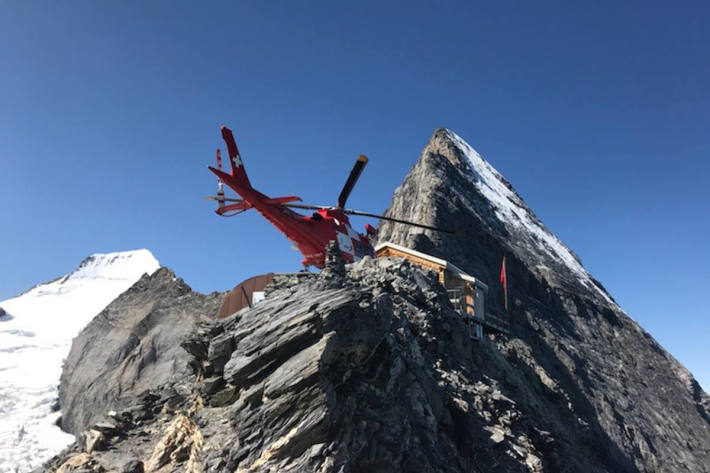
(36, 330)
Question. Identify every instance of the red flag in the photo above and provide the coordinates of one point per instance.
(503, 280)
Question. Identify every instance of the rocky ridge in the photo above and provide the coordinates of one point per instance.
(367, 367)
(365, 370)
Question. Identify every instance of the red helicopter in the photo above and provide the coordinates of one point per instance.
(310, 233)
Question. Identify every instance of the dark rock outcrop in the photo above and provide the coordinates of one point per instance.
(376, 374)
(131, 346)
(594, 379)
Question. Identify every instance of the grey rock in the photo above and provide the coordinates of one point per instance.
(220, 346)
(131, 346)
(333, 273)
(225, 396)
(94, 440)
(132, 466)
(351, 378)
(370, 368)
(213, 384)
(581, 369)
(106, 427)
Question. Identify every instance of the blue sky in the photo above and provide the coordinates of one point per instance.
(598, 115)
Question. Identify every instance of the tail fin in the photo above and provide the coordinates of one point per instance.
(235, 159)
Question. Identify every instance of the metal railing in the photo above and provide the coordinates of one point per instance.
(468, 312)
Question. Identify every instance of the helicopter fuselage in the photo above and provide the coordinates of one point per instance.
(310, 234)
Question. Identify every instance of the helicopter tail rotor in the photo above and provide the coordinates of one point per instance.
(220, 184)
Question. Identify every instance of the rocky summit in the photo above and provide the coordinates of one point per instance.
(368, 367)
(609, 394)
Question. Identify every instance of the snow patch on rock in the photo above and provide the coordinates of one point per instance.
(513, 212)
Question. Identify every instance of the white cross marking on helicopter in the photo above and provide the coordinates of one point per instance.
(237, 161)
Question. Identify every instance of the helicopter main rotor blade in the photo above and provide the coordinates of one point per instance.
(396, 220)
(381, 217)
(352, 179)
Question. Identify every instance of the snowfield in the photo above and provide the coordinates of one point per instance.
(35, 336)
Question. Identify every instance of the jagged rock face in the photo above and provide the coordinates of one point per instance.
(131, 346)
(338, 377)
(378, 373)
(370, 369)
(610, 397)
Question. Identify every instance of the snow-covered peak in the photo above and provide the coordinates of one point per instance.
(512, 211)
(80, 294)
(117, 265)
(35, 337)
